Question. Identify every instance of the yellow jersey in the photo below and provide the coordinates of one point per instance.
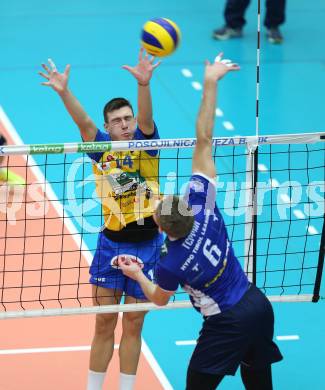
(126, 183)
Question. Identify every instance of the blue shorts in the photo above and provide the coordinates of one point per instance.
(241, 335)
(105, 273)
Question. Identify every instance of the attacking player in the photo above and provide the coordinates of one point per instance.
(238, 319)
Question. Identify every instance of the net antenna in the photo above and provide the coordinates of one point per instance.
(251, 169)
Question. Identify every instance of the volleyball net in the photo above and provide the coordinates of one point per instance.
(270, 191)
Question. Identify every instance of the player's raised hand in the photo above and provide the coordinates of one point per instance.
(216, 70)
(57, 81)
(144, 69)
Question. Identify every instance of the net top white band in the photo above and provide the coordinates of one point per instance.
(156, 144)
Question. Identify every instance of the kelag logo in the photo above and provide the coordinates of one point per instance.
(94, 147)
(46, 148)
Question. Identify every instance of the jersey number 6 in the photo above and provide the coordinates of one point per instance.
(212, 253)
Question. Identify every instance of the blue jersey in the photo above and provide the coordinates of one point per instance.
(203, 262)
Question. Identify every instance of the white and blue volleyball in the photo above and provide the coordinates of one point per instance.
(160, 37)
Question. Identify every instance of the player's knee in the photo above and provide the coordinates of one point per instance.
(133, 323)
(105, 325)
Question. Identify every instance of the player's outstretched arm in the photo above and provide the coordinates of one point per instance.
(59, 83)
(143, 72)
(202, 158)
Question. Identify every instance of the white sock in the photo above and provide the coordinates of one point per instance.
(95, 380)
(126, 381)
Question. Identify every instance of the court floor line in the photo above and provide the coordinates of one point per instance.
(71, 227)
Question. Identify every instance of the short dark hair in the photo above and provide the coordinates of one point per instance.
(116, 104)
(174, 216)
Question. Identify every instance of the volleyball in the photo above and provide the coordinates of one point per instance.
(160, 37)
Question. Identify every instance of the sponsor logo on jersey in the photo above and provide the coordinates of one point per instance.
(100, 280)
(134, 259)
(164, 250)
(105, 166)
(110, 157)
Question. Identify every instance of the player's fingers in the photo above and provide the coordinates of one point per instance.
(52, 65)
(44, 66)
(218, 57)
(46, 84)
(44, 75)
(226, 61)
(156, 65)
(141, 53)
(130, 69)
(67, 70)
(125, 260)
(127, 67)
